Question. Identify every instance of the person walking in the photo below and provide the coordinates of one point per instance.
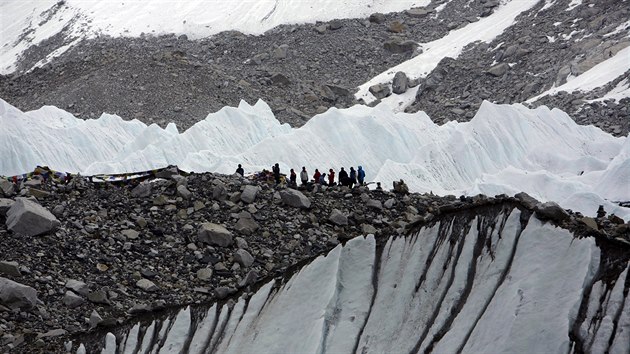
(304, 176)
(361, 175)
(353, 177)
(331, 177)
(240, 170)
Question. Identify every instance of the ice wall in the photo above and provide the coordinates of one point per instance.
(498, 281)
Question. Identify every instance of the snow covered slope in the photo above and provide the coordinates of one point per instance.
(29, 22)
(504, 149)
(492, 283)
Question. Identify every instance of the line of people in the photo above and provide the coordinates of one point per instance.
(355, 177)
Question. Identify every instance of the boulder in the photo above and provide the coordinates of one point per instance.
(551, 210)
(10, 268)
(219, 192)
(72, 300)
(204, 274)
(368, 229)
(380, 90)
(246, 225)
(528, 201)
(335, 25)
(374, 204)
(215, 235)
(400, 46)
(400, 83)
(5, 205)
(338, 218)
(183, 192)
(389, 203)
(28, 218)
(377, 18)
(7, 187)
(499, 69)
(147, 285)
(95, 319)
(249, 194)
(243, 258)
(281, 51)
(294, 198)
(250, 278)
(15, 295)
(130, 234)
(418, 12)
(590, 223)
(77, 286)
(142, 190)
(280, 79)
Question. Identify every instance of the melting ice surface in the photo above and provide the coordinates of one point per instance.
(504, 149)
(495, 282)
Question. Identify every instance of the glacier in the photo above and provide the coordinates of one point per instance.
(504, 149)
(496, 280)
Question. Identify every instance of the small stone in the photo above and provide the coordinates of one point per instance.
(389, 203)
(368, 229)
(250, 278)
(98, 297)
(78, 287)
(72, 300)
(53, 333)
(204, 274)
(244, 258)
(95, 319)
(5, 205)
(183, 192)
(374, 204)
(249, 194)
(338, 218)
(130, 234)
(147, 285)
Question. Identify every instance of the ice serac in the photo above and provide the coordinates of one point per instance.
(497, 280)
(503, 149)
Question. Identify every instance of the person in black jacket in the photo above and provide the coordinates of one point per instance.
(343, 177)
(240, 170)
(276, 173)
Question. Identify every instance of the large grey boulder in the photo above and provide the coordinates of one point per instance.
(337, 218)
(7, 187)
(400, 83)
(219, 192)
(5, 205)
(28, 218)
(249, 194)
(15, 295)
(215, 235)
(552, 211)
(294, 198)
